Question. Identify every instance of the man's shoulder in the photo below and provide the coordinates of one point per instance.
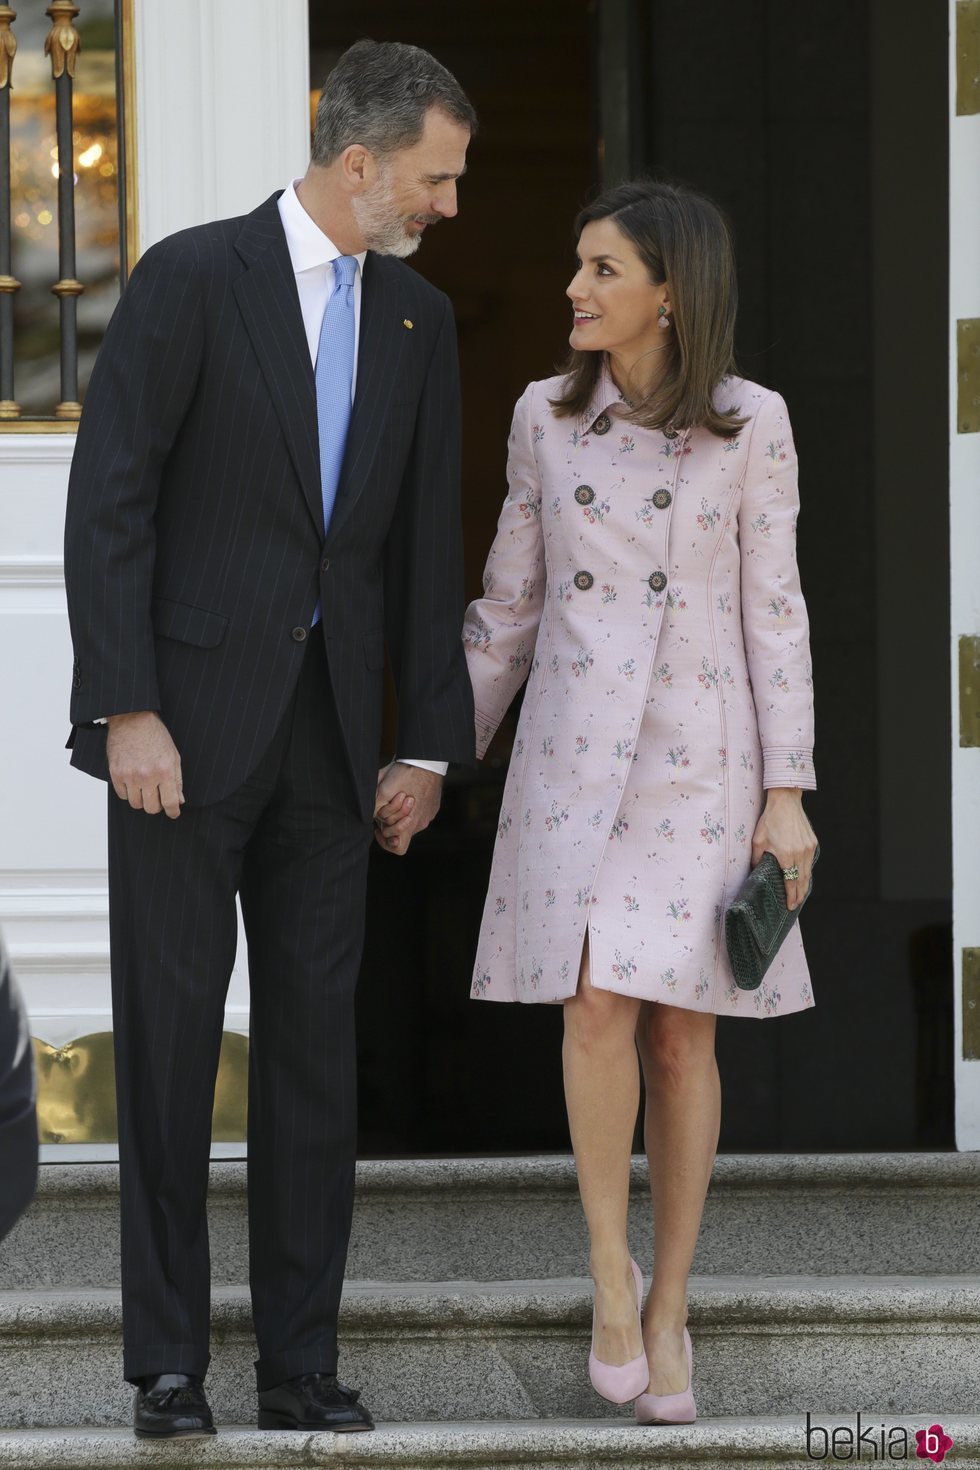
(196, 241)
(216, 239)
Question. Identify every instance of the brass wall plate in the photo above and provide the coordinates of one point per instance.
(967, 57)
(971, 1005)
(968, 375)
(76, 1090)
(969, 691)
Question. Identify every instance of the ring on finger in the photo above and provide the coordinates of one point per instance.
(791, 874)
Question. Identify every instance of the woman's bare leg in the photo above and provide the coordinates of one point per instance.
(681, 1125)
(602, 1094)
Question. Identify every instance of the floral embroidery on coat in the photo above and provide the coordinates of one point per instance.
(652, 721)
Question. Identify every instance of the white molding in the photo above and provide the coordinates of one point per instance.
(36, 573)
(49, 957)
(36, 449)
(53, 880)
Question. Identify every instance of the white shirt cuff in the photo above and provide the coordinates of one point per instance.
(440, 767)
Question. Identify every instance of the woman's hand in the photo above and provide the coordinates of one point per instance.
(783, 830)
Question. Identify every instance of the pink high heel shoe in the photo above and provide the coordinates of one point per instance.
(622, 1382)
(670, 1408)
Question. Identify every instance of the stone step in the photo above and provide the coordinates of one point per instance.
(475, 1350)
(432, 1220)
(710, 1444)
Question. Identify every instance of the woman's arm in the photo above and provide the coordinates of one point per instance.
(501, 627)
(777, 644)
(774, 616)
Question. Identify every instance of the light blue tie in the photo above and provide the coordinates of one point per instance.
(334, 381)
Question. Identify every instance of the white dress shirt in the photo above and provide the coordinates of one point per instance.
(312, 254)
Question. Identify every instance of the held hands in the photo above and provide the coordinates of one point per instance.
(144, 766)
(407, 800)
(783, 830)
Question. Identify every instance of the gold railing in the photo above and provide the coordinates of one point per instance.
(62, 47)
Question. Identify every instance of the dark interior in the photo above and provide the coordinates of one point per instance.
(822, 131)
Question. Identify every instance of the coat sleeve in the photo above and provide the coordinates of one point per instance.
(774, 616)
(501, 627)
(142, 384)
(423, 573)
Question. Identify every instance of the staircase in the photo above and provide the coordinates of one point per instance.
(825, 1285)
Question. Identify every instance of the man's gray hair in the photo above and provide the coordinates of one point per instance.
(378, 95)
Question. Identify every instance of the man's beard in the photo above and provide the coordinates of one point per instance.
(382, 227)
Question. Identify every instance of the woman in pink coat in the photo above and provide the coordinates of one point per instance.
(644, 582)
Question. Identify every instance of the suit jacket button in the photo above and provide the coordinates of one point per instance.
(585, 494)
(76, 682)
(299, 635)
(661, 499)
(657, 581)
(602, 424)
(325, 564)
(584, 580)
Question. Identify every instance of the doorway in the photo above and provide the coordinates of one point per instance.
(807, 126)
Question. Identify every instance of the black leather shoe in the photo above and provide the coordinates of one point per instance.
(172, 1406)
(314, 1401)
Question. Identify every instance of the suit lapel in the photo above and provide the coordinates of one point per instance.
(269, 303)
(377, 350)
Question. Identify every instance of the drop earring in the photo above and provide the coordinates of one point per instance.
(663, 319)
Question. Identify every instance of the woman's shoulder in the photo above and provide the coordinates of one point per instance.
(539, 393)
(744, 395)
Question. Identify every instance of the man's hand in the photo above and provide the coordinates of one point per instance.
(144, 766)
(407, 800)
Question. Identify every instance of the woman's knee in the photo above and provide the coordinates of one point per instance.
(674, 1043)
(596, 1017)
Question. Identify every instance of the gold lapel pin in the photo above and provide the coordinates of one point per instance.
(408, 324)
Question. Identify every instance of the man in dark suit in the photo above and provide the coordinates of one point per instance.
(265, 489)
(18, 1120)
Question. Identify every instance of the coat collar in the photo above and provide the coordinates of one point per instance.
(605, 396)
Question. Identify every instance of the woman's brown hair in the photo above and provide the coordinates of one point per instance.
(683, 239)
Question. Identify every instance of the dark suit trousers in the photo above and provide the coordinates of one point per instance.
(290, 841)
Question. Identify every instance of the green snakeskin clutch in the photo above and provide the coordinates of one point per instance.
(758, 921)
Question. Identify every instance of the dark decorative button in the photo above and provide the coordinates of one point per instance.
(657, 581)
(584, 580)
(670, 432)
(661, 499)
(602, 424)
(325, 564)
(77, 682)
(299, 635)
(585, 495)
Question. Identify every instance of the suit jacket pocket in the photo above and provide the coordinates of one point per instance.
(374, 650)
(187, 624)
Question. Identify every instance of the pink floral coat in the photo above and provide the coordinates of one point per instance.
(646, 586)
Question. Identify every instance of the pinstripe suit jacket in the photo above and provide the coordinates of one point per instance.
(194, 541)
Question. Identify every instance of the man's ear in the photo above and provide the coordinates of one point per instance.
(357, 167)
